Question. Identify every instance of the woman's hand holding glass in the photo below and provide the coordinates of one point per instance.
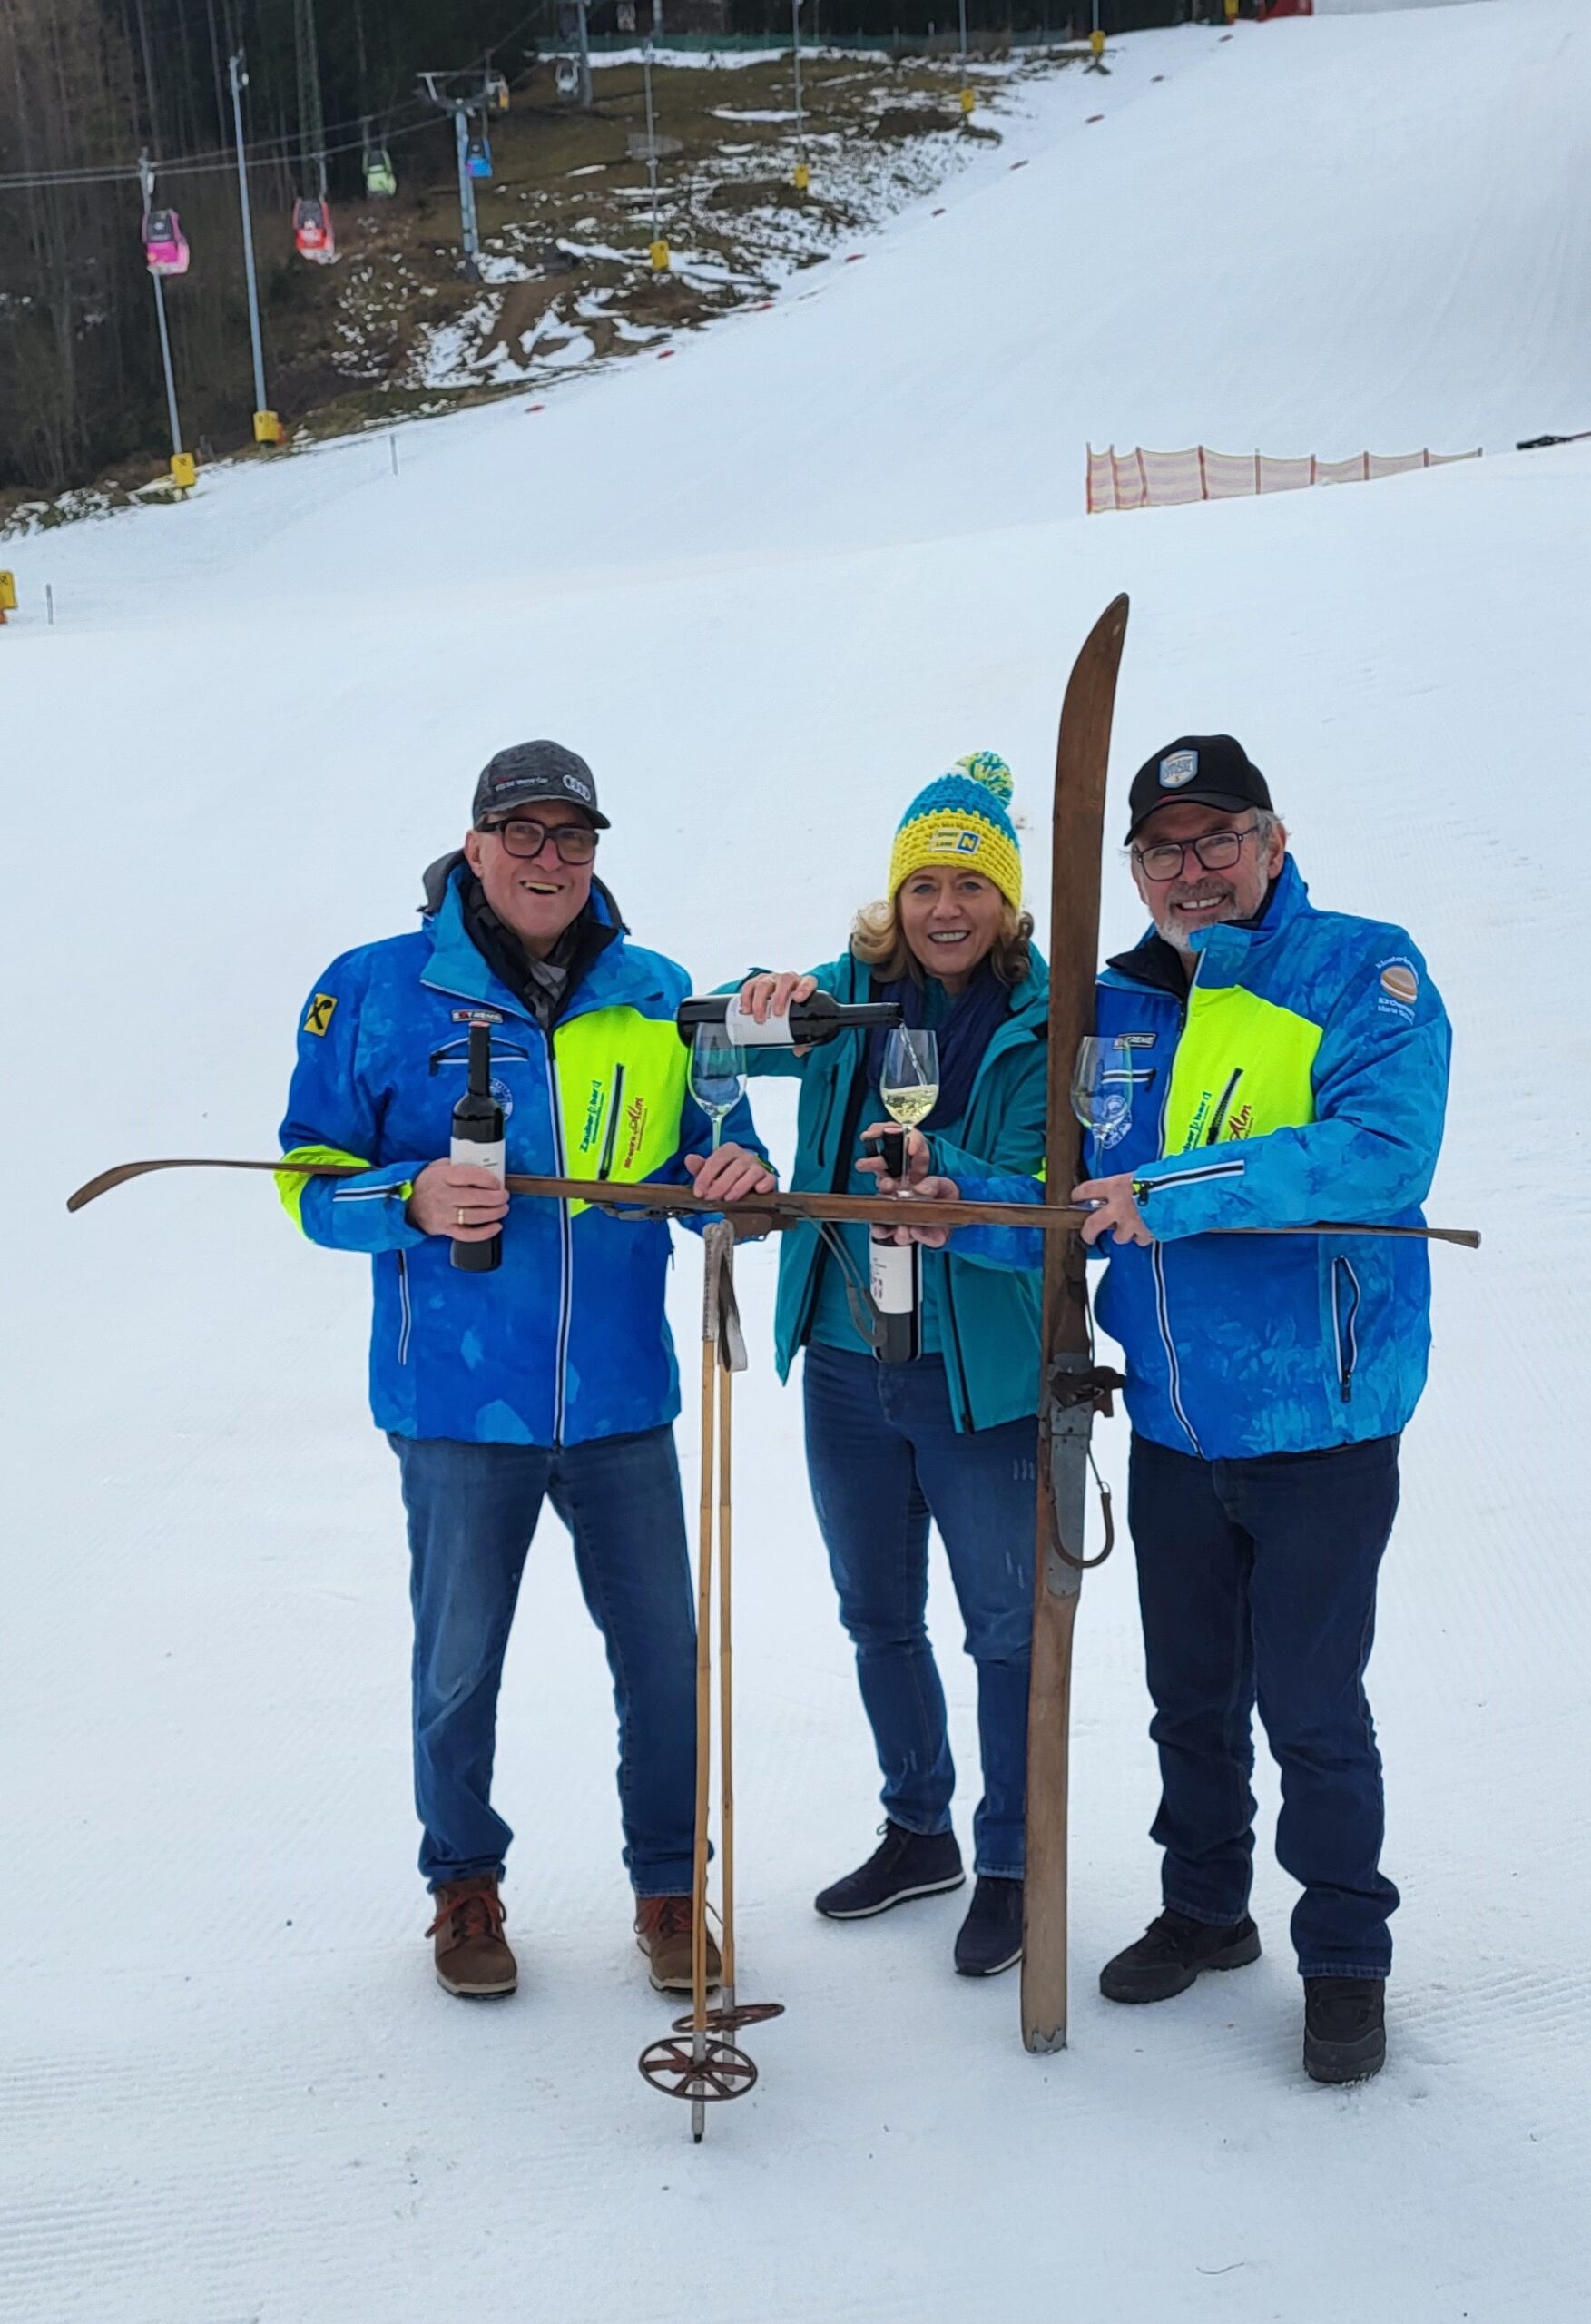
(920, 1181)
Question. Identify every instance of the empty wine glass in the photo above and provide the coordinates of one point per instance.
(909, 1082)
(718, 1075)
(1102, 1088)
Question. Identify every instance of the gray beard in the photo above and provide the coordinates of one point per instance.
(1179, 935)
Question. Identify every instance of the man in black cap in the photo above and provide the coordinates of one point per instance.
(552, 1376)
(1279, 1064)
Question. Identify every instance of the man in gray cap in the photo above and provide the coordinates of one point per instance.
(551, 1376)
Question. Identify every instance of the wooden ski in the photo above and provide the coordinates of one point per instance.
(756, 1215)
(1068, 1392)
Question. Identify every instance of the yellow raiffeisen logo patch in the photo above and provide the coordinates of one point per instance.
(954, 839)
(319, 1016)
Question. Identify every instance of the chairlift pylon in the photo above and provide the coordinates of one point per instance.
(165, 246)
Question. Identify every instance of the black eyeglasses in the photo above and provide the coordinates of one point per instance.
(1216, 852)
(576, 842)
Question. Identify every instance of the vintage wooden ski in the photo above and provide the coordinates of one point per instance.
(1069, 1392)
(755, 1215)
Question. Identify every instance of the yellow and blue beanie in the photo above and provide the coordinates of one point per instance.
(961, 819)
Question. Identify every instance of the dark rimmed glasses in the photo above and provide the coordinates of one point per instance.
(1215, 852)
(521, 835)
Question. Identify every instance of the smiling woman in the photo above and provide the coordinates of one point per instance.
(945, 1433)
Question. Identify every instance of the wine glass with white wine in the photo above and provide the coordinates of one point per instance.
(909, 1082)
(718, 1075)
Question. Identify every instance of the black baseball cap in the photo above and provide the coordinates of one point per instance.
(531, 771)
(1209, 770)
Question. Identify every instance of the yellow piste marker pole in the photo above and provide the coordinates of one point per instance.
(267, 428)
(7, 596)
(184, 471)
(1096, 43)
(801, 177)
(659, 255)
(1231, 12)
(968, 102)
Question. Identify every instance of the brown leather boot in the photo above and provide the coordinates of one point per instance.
(472, 1953)
(662, 1931)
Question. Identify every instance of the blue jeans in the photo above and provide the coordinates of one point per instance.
(884, 1457)
(472, 1511)
(1257, 1582)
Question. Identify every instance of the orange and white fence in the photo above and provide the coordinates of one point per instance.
(1141, 479)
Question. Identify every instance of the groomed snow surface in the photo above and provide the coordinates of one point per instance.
(770, 588)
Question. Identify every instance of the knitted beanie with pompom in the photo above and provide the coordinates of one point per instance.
(962, 819)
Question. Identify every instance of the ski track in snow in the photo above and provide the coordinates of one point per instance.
(769, 589)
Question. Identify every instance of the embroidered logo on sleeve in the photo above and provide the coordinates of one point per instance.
(1399, 987)
(319, 1016)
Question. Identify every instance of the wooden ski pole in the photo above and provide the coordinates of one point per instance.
(726, 1785)
(703, 1693)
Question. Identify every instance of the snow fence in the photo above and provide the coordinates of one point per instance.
(1141, 479)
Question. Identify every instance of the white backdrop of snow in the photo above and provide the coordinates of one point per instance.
(770, 588)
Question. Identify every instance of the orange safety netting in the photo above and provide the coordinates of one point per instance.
(1141, 479)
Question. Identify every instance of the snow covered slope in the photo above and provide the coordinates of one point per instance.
(770, 587)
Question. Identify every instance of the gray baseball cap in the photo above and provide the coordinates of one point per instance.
(536, 771)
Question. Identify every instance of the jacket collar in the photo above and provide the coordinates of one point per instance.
(1224, 952)
(457, 967)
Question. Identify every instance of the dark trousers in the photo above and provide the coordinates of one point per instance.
(1257, 1582)
(884, 1456)
(472, 1511)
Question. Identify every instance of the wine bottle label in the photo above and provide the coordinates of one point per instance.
(894, 1277)
(742, 1029)
(493, 1157)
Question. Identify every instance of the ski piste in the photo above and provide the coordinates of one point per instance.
(752, 1213)
(1071, 1389)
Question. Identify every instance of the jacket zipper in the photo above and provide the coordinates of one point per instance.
(1218, 1118)
(406, 1315)
(605, 1167)
(1345, 1329)
(565, 1248)
(1157, 1256)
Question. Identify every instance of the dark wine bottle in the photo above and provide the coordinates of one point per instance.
(477, 1139)
(896, 1275)
(807, 1024)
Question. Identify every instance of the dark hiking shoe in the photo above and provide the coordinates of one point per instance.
(662, 1931)
(1171, 1951)
(990, 1937)
(471, 1953)
(904, 1864)
(1344, 2028)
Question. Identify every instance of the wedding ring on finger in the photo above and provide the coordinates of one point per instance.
(461, 1221)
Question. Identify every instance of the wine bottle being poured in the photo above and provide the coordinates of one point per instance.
(477, 1140)
(806, 1025)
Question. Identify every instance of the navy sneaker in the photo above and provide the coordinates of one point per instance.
(904, 1864)
(1171, 1951)
(990, 1937)
(1344, 2028)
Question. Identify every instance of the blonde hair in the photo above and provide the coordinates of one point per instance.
(879, 941)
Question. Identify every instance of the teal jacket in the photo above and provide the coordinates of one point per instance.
(989, 1314)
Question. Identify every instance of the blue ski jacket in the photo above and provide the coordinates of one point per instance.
(566, 1340)
(1303, 1075)
(989, 1313)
